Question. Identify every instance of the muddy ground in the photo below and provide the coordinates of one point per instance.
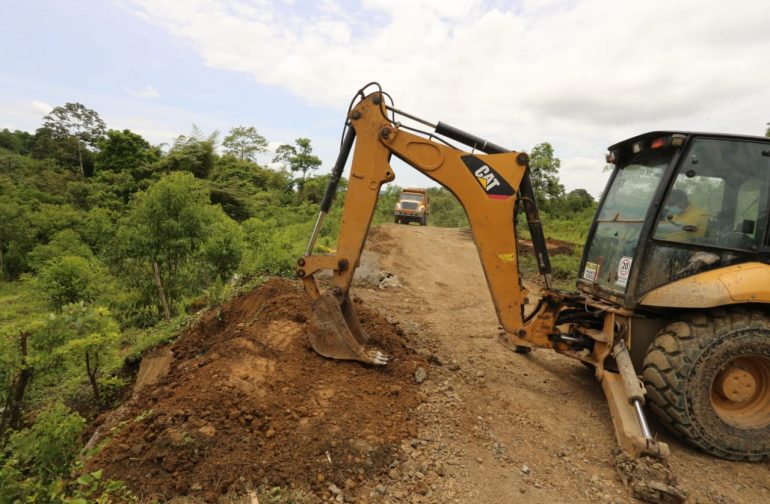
(246, 401)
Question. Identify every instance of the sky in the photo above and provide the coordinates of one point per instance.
(580, 75)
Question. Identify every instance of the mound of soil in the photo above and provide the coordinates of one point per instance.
(247, 401)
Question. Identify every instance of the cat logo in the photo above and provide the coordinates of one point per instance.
(493, 184)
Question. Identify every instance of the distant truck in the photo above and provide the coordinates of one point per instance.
(413, 206)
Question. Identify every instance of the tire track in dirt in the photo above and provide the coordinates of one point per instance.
(508, 427)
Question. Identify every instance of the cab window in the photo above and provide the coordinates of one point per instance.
(715, 213)
(719, 196)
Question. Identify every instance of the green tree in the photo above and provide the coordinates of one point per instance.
(16, 141)
(126, 151)
(194, 154)
(64, 150)
(16, 237)
(544, 173)
(86, 334)
(223, 248)
(75, 121)
(315, 187)
(578, 199)
(298, 158)
(164, 227)
(106, 189)
(244, 143)
(98, 229)
(241, 186)
(69, 279)
(15, 377)
(49, 219)
(66, 242)
(445, 210)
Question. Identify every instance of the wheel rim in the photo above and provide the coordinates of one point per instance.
(740, 393)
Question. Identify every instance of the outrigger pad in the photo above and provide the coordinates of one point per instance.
(332, 337)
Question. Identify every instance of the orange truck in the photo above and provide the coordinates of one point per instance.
(412, 206)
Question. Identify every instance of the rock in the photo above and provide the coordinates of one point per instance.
(420, 374)
(594, 478)
(650, 480)
(207, 430)
(389, 281)
(270, 433)
(525, 469)
(435, 359)
(334, 489)
(454, 366)
(380, 489)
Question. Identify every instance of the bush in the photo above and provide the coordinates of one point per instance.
(70, 279)
(273, 250)
(37, 457)
(39, 462)
(64, 243)
(223, 249)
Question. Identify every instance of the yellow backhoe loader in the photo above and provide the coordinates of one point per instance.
(674, 281)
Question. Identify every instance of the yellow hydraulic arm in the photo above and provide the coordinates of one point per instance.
(485, 184)
(488, 185)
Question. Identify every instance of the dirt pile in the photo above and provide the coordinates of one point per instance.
(247, 401)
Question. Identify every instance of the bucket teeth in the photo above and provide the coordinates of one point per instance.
(337, 333)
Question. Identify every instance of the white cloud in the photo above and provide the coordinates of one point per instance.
(23, 115)
(41, 107)
(579, 74)
(147, 92)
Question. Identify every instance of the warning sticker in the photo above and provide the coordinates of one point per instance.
(624, 268)
(591, 271)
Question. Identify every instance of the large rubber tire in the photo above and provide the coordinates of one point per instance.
(424, 220)
(687, 372)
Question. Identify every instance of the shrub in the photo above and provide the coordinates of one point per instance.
(46, 449)
(70, 279)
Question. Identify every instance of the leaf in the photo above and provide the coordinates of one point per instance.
(85, 479)
(114, 486)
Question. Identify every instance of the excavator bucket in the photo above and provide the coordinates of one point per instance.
(337, 333)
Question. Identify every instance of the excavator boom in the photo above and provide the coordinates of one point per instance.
(489, 181)
(487, 185)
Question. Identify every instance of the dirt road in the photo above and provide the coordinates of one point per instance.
(500, 427)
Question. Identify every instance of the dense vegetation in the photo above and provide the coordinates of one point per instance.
(108, 242)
